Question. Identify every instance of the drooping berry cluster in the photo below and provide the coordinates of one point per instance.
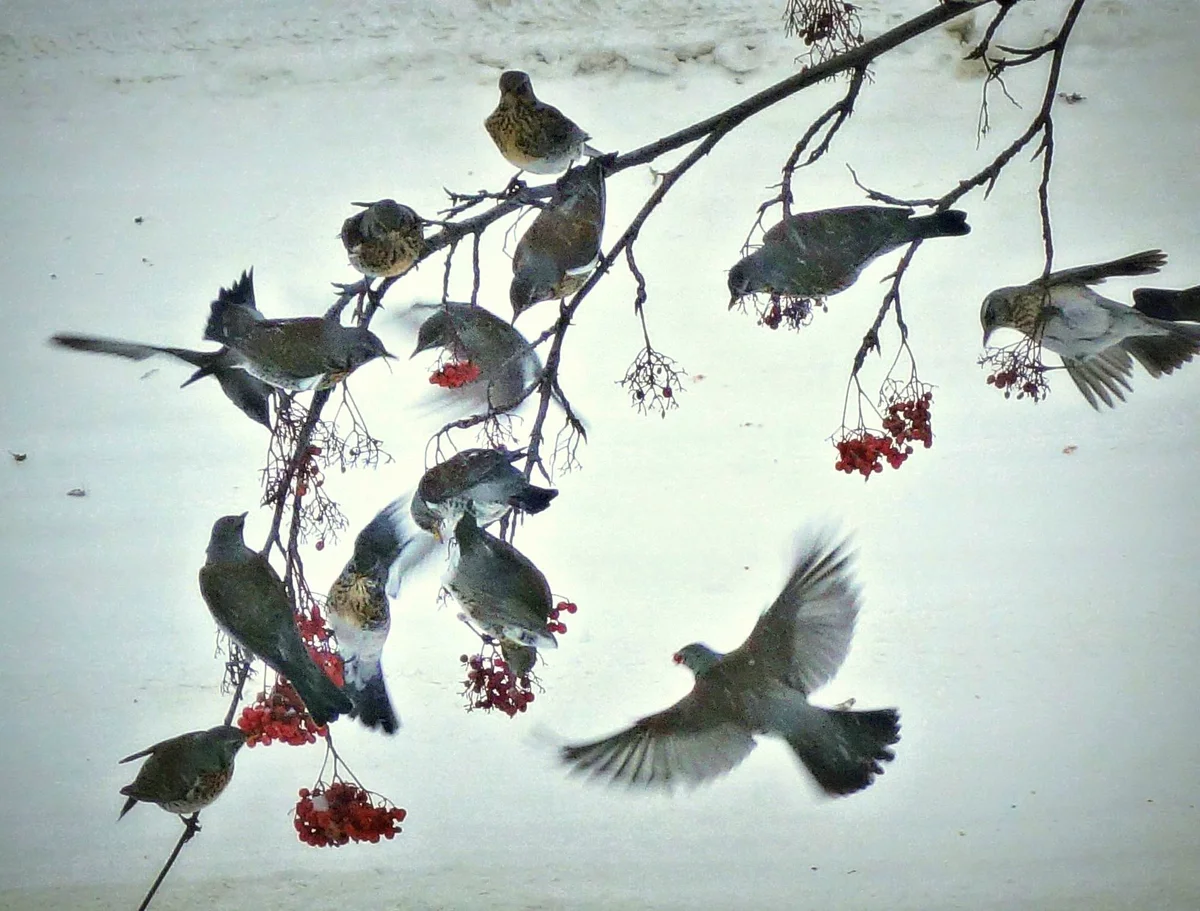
(337, 814)
(862, 451)
(563, 607)
(309, 472)
(318, 637)
(279, 715)
(451, 376)
(907, 420)
(1018, 368)
(782, 309)
(491, 684)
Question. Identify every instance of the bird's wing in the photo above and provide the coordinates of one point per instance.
(134, 351)
(1102, 376)
(1144, 263)
(685, 744)
(250, 602)
(804, 636)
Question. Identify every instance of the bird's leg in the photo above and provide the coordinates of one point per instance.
(515, 186)
(191, 825)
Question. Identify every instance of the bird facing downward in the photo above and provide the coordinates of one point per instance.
(532, 135)
(185, 774)
(761, 687)
(1097, 338)
(384, 239)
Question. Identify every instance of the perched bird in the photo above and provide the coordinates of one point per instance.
(249, 601)
(1093, 335)
(1172, 306)
(484, 480)
(250, 394)
(186, 773)
(532, 135)
(299, 354)
(508, 365)
(816, 254)
(499, 588)
(361, 617)
(384, 239)
(761, 687)
(561, 248)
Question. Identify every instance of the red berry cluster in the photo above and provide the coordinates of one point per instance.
(337, 814)
(491, 685)
(451, 376)
(1019, 368)
(555, 625)
(279, 715)
(795, 312)
(862, 452)
(908, 421)
(309, 471)
(1034, 386)
(316, 636)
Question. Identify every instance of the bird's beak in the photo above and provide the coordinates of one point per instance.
(733, 300)
(987, 334)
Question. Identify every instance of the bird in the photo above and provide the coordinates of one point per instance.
(532, 135)
(250, 602)
(297, 354)
(484, 480)
(185, 774)
(1094, 336)
(508, 365)
(499, 588)
(384, 239)
(816, 254)
(761, 687)
(562, 247)
(1173, 306)
(250, 394)
(360, 615)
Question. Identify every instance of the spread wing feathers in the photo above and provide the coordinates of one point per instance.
(1097, 377)
(1145, 263)
(804, 636)
(686, 744)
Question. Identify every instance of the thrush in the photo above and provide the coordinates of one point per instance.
(761, 687)
(1097, 338)
(1172, 306)
(532, 135)
(561, 248)
(298, 354)
(508, 365)
(499, 588)
(816, 254)
(185, 774)
(250, 602)
(384, 239)
(482, 480)
(251, 395)
(361, 617)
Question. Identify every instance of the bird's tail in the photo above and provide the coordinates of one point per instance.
(843, 749)
(534, 499)
(1168, 305)
(371, 703)
(951, 223)
(1161, 354)
(324, 700)
(232, 311)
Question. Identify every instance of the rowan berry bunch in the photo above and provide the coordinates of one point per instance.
(907, 418)
(864, 451)
(308, 472)
(491, 684)
(563, 607)
(1017, 368)
(784, 310)
(279, 715)
(454, 375)
(338, 813)
(319, 639)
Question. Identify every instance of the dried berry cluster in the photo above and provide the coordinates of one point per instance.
(794, 312)
(334, 815)
(492, 685)
(308, 472)
(907, 421)
(1018, 368)
(451, 376)
(563, 607)
(279, 715)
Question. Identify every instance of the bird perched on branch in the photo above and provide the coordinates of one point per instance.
(816, 254)
(500, 588)
(250, 602)
(361, 616)
(484, 480)
(1172, 306)
(532, 135)
(508, 365)
(1095, 337)
(250, 394)
(561, 248)
(384, 239)
(185, 774)
(298, 354)
(761, 687)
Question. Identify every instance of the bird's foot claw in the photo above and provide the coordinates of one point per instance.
(191, 825)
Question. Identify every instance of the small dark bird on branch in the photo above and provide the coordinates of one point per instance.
(816, 254)
(532, 135)
(1097, 338)
(761, 687)
(384, 239)
(185, 774)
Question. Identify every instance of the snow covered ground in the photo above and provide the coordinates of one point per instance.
(1031, 612)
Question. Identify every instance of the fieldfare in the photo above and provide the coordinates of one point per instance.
(186, 773)
(532, 135)
(384, 239)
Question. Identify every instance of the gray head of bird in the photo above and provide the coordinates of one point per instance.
(227, 738)
(516, 84)
(739, 281)
(390, 215)
(533, 282)
(226, 538)
(426, 518)
(436, 332)
(996, 312)
(697, 657)
(364, 346)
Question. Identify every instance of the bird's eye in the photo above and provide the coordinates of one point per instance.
(677, 658)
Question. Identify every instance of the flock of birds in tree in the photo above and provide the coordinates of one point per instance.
(761, 687)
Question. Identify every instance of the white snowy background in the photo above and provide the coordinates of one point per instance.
(1032, 613)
